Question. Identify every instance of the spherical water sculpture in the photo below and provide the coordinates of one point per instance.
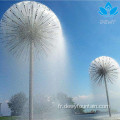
(102, 70)
(27, 23)
(26, 28)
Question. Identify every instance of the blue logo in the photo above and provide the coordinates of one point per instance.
(108, 10)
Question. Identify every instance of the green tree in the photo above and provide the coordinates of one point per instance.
(64, 99)
(79, 110)
(16, 103)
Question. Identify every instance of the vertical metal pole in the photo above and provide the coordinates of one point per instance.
(31, 83)
(0, 110)
(107, 96)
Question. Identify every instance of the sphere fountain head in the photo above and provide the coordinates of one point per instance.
(104, 67)
(29, 22)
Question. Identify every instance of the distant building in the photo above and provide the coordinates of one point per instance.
(0, 109)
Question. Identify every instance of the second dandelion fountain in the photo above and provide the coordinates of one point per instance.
(103, 70)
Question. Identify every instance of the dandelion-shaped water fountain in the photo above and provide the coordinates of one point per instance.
(29, 27)
(102, 70)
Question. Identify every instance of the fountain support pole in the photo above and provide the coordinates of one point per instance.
(0, 110)
(107, 97)
(31, 83)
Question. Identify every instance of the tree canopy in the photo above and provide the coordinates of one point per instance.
(16, 103)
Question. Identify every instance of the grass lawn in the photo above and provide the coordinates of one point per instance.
(8, 118)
